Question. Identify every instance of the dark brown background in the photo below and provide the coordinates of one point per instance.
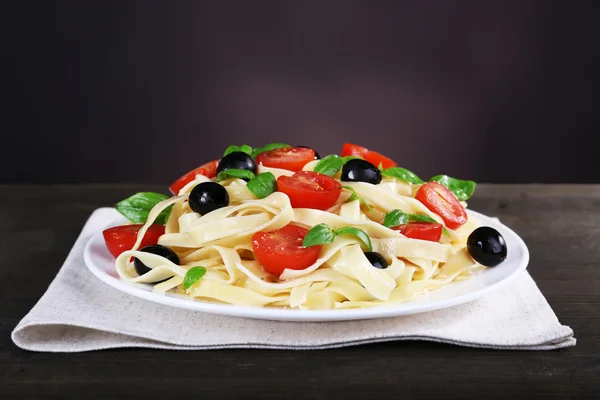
(141, 91)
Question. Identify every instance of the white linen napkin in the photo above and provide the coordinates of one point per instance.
(79, 312)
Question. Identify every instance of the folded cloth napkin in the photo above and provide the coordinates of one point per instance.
(79, 312)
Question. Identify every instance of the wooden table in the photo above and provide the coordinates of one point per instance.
(560, 224)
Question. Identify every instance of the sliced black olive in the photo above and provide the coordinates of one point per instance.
(208, 196)
(236, 160)
(157, 249)
(358, 170)
(487, 246)
(317, 155)
(376, 259)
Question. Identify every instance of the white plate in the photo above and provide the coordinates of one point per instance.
(101, 263)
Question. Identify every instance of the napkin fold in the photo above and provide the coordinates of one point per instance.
(79, 312)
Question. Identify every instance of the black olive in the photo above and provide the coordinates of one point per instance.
(487, 246)
(157, 249)
(208, 196)
(317, 155)
(358, 170)
(237, 160)
(376, 259)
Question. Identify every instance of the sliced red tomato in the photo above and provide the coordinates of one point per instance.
(282, 248)
(209, 170)
(440, 200)
(379, 159)
(350, 149)
(375, 158)
(121, 238)
(290, 158)
(421, 230)
(308, 189)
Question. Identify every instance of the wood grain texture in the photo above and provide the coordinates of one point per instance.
(560, 224)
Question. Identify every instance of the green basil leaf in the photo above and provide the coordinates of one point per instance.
(395, 218)
(192, 276)
(235, 173)
(137, 207)
(319, 234)
(329, 165)
(345, 159)
(163, 216)
(403, 174)
(323, 234)
(243, 148)
(463, 190)
(262, 185)
(362, 235)
(421, 218)
(268, 147)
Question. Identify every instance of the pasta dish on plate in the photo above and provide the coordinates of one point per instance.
(279, 226)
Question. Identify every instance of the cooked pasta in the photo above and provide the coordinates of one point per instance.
(342, 275)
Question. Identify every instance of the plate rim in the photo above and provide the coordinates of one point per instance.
(286, 314)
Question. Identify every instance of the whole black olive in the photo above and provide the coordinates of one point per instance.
(317, 155)
(358, 170)
(208, 196)
(237, 160)
(376, 259)
(487, 246)
(157, 249)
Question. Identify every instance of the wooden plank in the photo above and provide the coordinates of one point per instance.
(560, 223)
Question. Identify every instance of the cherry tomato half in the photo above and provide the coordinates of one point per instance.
(122, 238)
(209, 170)
(350, 149)
(421, 230)
(290, 158)
(379, 159)
(307, 189)
(375, 158)
(440, 200)
(282, 248)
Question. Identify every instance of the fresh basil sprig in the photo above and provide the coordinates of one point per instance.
(463, 190)
(401, 173)
(243, 148)
(397, 217)
(192, 276)
(268, 147)
(331, 164)
(137, 207)
(262, 185)
(319, 234)
(359, 233)
(323, 234)
(421, 218)
(235, 173)
(355, 196)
